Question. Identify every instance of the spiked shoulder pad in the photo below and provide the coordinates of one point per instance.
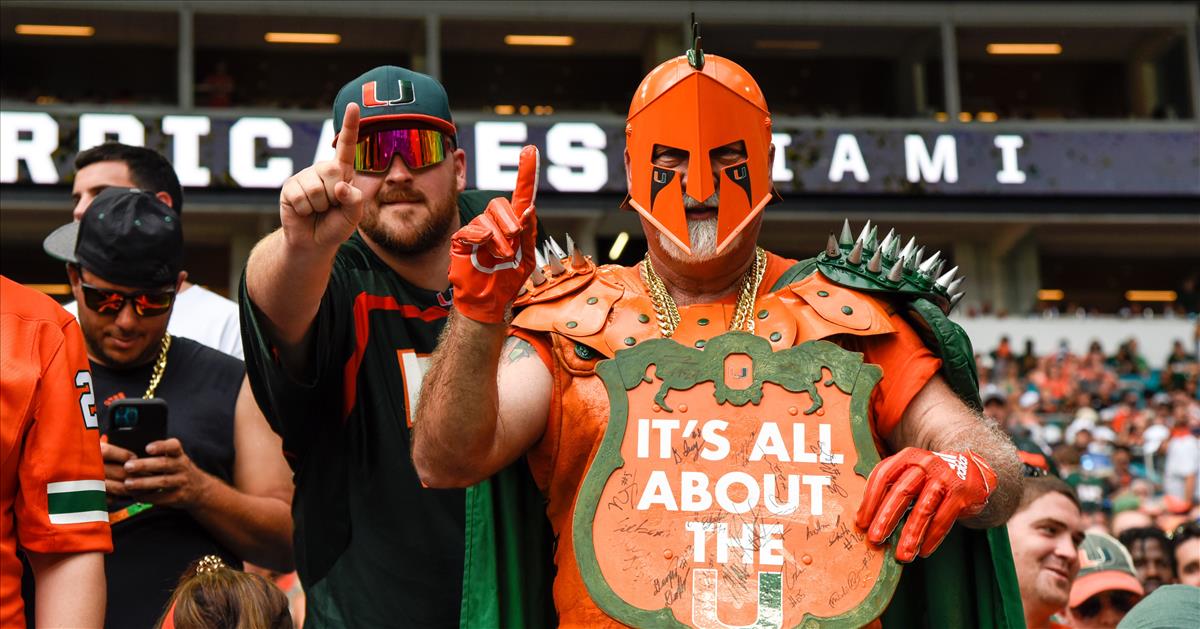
(556, 274)
(866, 264)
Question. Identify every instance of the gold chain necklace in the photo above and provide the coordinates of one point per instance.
(667, 312)
(159, 366)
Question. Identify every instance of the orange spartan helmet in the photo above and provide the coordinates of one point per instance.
(697, 103)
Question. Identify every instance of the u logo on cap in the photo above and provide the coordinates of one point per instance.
(369, 99)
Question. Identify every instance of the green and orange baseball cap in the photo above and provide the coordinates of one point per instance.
(1104, 565)
(392, 93)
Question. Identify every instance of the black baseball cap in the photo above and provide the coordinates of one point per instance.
(392, 93)
(127, 237)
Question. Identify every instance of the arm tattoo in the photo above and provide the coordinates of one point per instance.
(515, 349)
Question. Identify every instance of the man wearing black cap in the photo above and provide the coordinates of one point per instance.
(340, 310)
(218, 484)
(200, 314)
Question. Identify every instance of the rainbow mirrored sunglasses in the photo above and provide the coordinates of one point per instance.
(110, 302)
(419, 148)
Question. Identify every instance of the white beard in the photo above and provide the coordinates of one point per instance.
(702, 234)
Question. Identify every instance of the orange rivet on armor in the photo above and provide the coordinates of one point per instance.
(667, 554)
(656, 408)
(807, 559)
(820, 412)
(792, 410)
(683, 408)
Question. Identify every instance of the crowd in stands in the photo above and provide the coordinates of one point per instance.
(1124, 435)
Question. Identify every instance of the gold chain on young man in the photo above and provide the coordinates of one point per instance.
(667, 312)
(159, 366)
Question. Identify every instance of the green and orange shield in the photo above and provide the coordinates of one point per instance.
(724, 490)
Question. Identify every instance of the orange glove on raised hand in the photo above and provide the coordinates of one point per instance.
(493, 255)
(941, 486)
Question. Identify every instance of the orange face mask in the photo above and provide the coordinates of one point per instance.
(699, 110)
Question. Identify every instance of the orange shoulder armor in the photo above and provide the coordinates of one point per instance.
(821, 309)
(574, 298)
(605, 309)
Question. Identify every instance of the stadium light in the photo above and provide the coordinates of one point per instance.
(55, 30)
(539, 40)
(1150, 295)
(504, 110)
(1050, 294)
(1024, 49)
(303, 38)
(618, 246)
(986, 116)
(787, 44)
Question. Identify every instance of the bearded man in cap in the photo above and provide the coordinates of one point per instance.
(664, 409)
(218, 484)
(341, 308)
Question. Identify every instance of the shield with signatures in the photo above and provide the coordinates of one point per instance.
(724, 490)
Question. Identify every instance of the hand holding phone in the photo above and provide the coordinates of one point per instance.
(134, 423)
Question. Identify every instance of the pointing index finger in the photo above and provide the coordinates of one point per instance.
(347, 139)
(527, 180)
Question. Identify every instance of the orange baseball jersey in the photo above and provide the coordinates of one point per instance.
(51, 474)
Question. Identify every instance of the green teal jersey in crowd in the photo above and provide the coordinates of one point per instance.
(373, 547)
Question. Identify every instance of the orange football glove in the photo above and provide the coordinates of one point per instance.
(491, 257)
(941, 487)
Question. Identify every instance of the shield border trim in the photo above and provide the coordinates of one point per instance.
(608, 459)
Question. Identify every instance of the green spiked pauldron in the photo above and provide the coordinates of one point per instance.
(867, 264)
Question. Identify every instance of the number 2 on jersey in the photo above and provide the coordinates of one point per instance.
(87, 399)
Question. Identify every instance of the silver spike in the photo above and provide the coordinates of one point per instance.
(537, 276)
(866, 233)
(578, 260)
(570, 243)
(955, 299)
(872, 242)
(908, 248)
(945, 280)
(556, 266)
(915, 258)
(856, 253)
(847, 237)
(893, 249)
(876, 262)
(538, 258)
(926, 267)
(552, 245)
(887, 240)
(521, 291)
(937, 271)
(831, 247)
(897, 270)
(953, 287)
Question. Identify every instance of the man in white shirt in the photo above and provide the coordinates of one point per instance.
(199, 313)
